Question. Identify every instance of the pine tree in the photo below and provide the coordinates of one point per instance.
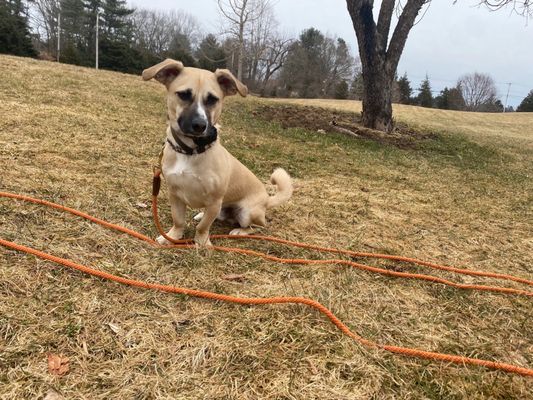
(341, 90)
(92, 9)
(180, 49)
(450, 99)
(73, 38)
(442, 101)
(14, 31)
(527, 104)
(210, 54)
(404, 90)
(456, 100)
(356, 88)
(116, 39)
(425, 98)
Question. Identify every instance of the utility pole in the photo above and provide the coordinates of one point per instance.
(58, 34)
(507, 97)
(97, 18)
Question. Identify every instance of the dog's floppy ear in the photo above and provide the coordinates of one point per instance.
(164, 72)
(229, 84)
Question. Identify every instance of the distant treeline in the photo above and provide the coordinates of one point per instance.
(314, 65)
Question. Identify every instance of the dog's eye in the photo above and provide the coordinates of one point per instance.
(211, 100)
(185, 95)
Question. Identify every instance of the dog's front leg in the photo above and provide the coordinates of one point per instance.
(202, 230)
(178, 209)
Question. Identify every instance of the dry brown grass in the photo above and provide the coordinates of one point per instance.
(87, 139)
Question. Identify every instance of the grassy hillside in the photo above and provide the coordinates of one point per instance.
(516, 127)
(87, 139)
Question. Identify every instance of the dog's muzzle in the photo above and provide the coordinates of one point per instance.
(194, 127)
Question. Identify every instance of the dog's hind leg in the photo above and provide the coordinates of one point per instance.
(242, 231)
(199, 216)
(247, 219)
(223, 215)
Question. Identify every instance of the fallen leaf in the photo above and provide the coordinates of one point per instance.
(183, 322)
(115, 328)
(141, 205)
(312, 367)
(53, 395)
(235, 277)
(58, 364)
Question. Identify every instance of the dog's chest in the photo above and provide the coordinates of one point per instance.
(185, 180)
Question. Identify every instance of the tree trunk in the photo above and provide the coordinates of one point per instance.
(240, 56)
(379, 61)
(377, 100)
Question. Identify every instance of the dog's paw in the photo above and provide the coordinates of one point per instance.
(174, 234)
(199, 216)
(202, 241)
(240, 231)
(161, 240)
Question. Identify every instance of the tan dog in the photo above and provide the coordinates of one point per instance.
(199, 171)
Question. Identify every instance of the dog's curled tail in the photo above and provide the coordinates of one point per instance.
(282, 180)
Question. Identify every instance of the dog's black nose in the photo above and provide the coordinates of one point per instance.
(198, 125)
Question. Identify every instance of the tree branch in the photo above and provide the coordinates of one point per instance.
(384, 22)
(399, 37)
(365, 29)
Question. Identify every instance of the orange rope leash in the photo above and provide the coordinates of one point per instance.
(278, 300)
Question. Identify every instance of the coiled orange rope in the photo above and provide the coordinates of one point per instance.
(183, 244)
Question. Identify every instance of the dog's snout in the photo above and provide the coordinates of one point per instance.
(199, 125)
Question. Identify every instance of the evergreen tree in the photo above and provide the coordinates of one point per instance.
(14, 32)
(456, 100)
(342, 70)
(450, 99)
(356, 88)
(315, 65)
(527, 104)
(442, 101)
(341, 90)
(180, 49)
(116, 25)
(92, 9)
(116, 38)
(73, 41)
(425, 98)
(210, 54)
(404, 90)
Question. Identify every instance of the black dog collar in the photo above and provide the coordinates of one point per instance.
(202, 143)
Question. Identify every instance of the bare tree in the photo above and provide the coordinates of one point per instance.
(238, 16)
(43, 17)
(259, 35)
(478, 90)
(316, 65)
(157, 31)
(522, 7)
(273, 59)
(380, 54)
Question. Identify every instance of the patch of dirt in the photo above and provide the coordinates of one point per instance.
(324, 120)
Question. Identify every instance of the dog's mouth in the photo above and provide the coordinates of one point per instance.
(208, 136)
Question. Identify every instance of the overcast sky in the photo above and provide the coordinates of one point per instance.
(451, 40)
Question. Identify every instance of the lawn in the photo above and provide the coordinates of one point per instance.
(462, 195)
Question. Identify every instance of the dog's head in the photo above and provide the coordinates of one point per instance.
(194, 96)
